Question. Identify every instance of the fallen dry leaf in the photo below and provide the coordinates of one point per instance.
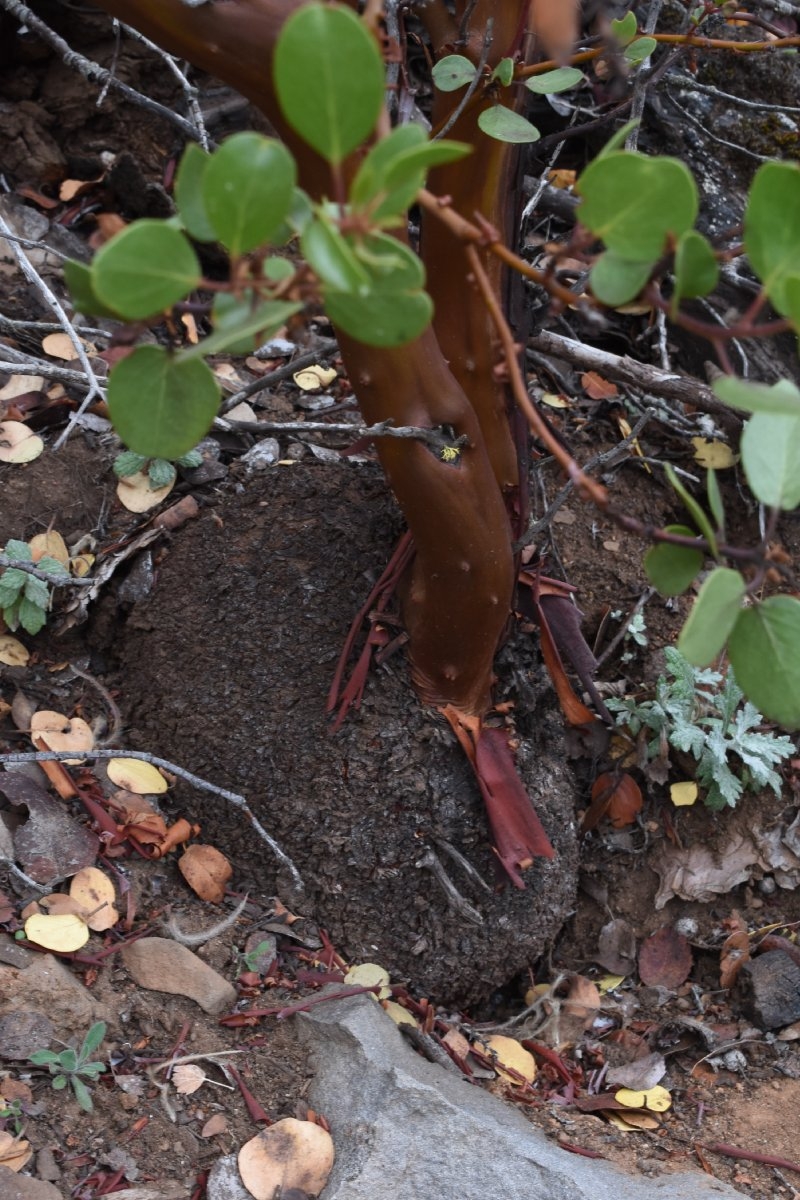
(214, 1126)
(12, 651)
(290, 1154)
(18, 444)
(135, 494)
(135, 775)
(682, 794)
(21, 385)
(312, 379)
(734, 954)
(187, 1078)
(665, 959)
(65, 933)
(615, 795)
(206, 870)
(15, 1152)
(61, 733)
(598, 388)
(657, 1098)
(95, 893)
(370, 975)
(510, 1055)
(401, 1016)
(714, 454)
(50, 545)
(59, 345)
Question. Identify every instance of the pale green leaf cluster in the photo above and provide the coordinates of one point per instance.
(702, 713)
(24, 599)
(74, 1068)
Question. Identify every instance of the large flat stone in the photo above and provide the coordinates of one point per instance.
(404, 1127)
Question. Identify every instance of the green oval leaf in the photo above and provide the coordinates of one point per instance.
(715, 500)
(696, 511)
(634, 202)
(239, 325)
(392, 266)
(616, 280)
(453, 72)
(696, 268)
(395, 168)
(781, 397)
(505, 125)
(78, 278)
(161, 407)
(331, 257)
(504, 71)
(550, 82)
(189, 194)
(770, 449)
(145, 269)
(248, 189)
(624, 30)
(712, 618)
(764, 650)
(639, 50)
(772, 230)
(670, 568)
(380, 318)
(329, 78)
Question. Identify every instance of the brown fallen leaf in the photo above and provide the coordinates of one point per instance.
(214, 1126)
(598, 388)
(616, 796)
(187, 1078)
(206, 870)
(15, 1152)
(290, 1154)
(61, 733)
(94, 891)
(665, 959)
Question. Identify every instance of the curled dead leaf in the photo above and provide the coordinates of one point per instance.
(616, 795)
(290, 1154)
(12, 651)
(206, 870)
(15, 1152)
(58, 732)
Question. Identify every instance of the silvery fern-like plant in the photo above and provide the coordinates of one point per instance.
(701, 712)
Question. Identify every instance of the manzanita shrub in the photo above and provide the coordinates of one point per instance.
(318, 220)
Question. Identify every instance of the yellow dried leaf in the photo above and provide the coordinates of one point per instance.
(555, 400)
(289, 1154)
(206, 870)
(58, 732)
(683, 793)
(509, 1053)
(609, 982)
(188, 1077)
(400, 1015)
(630, 1098)
(50, 545)
(20, 385)
(15, 1152)
(59, 903)
(370, 975)
(312, 379)
(81, 565)
(65, 932)
(12, 651)
(59, 345)
(18, 444)
(640, 1120)
(618, 1121)
(95, 893)
(714, 454)
(135, 494)
(657, 1099)
(135, 775)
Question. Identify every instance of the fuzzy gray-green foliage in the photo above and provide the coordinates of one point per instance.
(701, 713)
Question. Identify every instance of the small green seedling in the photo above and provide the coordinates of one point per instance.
(24, 599)
(74, 1066)
(700, 712)
(11, 1112)
(159, 471)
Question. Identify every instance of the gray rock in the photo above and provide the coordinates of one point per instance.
(48, 987)
(161, 965)
(402, 1126)
(23, 1187)
(225, 1182)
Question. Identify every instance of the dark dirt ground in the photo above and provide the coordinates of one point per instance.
(219, 648)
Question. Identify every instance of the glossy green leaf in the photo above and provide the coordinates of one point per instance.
(764, 650)
(504, 71)
(639, 50)
(248, 189)
(550, 82)
(370, 178)
(624, 30)
(505, 125)
(696, 511)
(329, 77)
(634, 202)
(189, 194)
(277, 269)
(772, 230)
(380, 318)
(239, 326)
(145, 269)
(616, 280)
(78, 278)
(422, 158)
(713, 616)
(671, 568)
(696, 268)
(331, 257)
(780, 397)
(395, 168)
(161, 407)
(392, 266)
(453, 72)
(770, 447)
(715, 500)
